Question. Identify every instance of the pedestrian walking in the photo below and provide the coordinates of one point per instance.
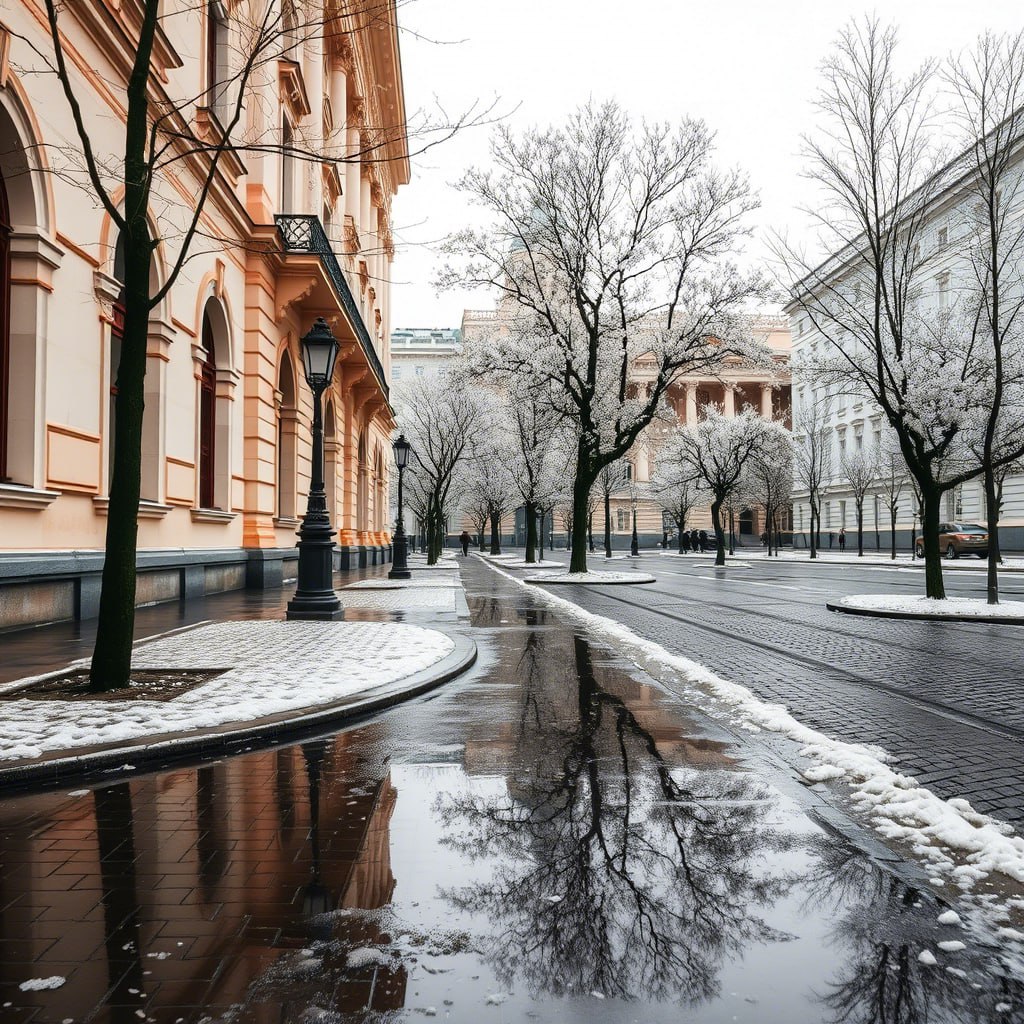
(703, 538)
(464, 540)
(685, 538)
(842, 538)
(695, 541)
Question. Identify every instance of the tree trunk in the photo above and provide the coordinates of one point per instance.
(716, 519)
(992, 506)
(931, 499)
(732, 532)
(482, 534)
(112, 654)
(542, 535)
(590, 532)
(495, 532)
(860, 529)
(892, 532)
(607, 525)
(814, 535)
(580, 499)
(531, 533)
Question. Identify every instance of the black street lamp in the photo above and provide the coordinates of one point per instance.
(400, 562)
(314, 595)
(634, 544)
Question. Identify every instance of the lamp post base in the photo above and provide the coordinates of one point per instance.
(314, 614)
(400, 564)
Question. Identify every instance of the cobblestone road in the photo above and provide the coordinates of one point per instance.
(945, 699)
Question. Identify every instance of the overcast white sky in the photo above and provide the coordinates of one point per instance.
(748, 67)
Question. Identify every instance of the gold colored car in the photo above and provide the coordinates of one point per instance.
(956, 539)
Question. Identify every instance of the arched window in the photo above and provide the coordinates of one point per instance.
(287, 422)
(362, 487)
(208, 417)
(5, 321)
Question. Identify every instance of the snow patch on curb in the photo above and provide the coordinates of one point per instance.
(949, 835)
(591, 577)
(954, 607)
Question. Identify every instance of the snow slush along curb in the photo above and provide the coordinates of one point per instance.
(957, 609)
(897, 806)
(151, 750)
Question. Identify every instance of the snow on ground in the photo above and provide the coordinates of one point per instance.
(42, 984)
(273, 667)
(521, 563)
(432, 582)
(951, 607)
(591, 577)
(949, 835)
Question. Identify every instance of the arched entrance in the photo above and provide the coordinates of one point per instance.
(207, 416)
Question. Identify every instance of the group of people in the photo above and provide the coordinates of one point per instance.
(695, 541)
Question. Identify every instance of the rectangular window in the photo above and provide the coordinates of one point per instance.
(216, 57)
(396, 373)
(943, 236)
(419, 371)
(287, 168)
(943, 282)
(842, 513)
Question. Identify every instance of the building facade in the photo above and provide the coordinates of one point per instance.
(284, 238)
(423, 352)
(939, 278)
(734, 386)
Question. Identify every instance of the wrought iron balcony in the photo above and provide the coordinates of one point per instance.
(304, 233)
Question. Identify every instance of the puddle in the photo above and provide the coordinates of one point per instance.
(548, 839)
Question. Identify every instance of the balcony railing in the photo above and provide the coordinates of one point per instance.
(303, 232)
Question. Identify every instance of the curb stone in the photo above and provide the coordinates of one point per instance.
(149, 753)
(876, 613)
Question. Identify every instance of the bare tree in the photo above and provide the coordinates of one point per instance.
(988, 85)
(439, 420)
(860, 470)
(892, 482)
(718, 449)
(875, 161)
(676, 486)
(812, 457)
(768, 479)
(174, 137)
(611, 478)
(608, 242)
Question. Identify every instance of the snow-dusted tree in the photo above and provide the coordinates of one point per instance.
(675, 484)
(874, 160)
(891, 481)
(487, 482)
(718, 448)
(439, 416)
(608, 241)
(860, 469)
(610, 479)
(988, 86)
(768, 478)
(812, 455)
(536, 460)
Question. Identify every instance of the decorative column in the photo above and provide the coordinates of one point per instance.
(766, 401)
(729, 399)
(691, 405)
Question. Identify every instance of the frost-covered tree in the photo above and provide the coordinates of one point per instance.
(719, 448)
(874, 159)
(607, 241)
(768, 479)
(439, 416)
(675, 484)
(610, 479)
(488, 484)
(860, 469)
(987, 84)
(892, 481)
(812, 456)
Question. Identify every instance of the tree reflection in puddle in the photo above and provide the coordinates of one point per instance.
(883, 925)
(619, 872)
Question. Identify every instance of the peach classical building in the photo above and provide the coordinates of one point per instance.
(226, 449)
(734, 386)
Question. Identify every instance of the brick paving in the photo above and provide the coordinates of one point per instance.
(943, 699)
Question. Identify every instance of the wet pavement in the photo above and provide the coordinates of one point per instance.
(550, 838)
(943, 698)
